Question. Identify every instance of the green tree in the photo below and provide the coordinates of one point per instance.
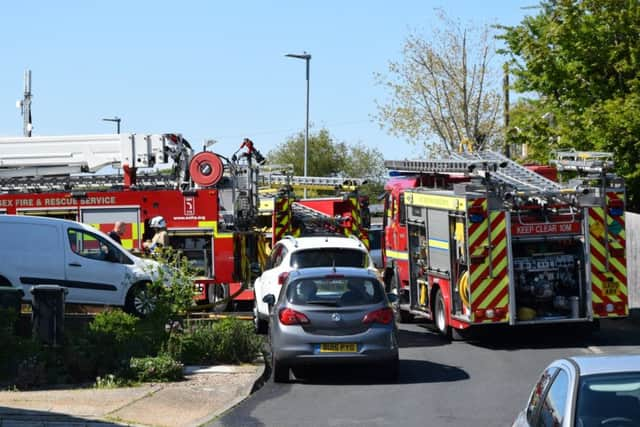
(325, 157)
(579, 62)
(444, 87)
(328, 157)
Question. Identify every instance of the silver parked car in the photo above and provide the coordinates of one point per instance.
(586, 391)
(332, 316)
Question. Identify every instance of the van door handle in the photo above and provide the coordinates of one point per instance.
(75, 264)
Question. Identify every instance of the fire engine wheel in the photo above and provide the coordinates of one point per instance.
(140, 301)
(218, 294)
(440, 316)
(402, 316)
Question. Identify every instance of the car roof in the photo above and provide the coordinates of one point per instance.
(607, 363)
(324, 271)
(310, 242)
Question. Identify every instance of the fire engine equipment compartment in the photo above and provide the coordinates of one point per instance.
(548, 278)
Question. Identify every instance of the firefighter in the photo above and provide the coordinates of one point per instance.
(117, 232)
(161, 237)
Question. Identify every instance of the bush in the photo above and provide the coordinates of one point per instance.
(161, 368)
(226, 341)
(113, 339)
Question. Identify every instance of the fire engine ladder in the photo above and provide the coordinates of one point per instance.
(512, 173)
(583, 161)
(319, 182)
(85, 182)
(315, 221)
(48, 163)
(459, 165)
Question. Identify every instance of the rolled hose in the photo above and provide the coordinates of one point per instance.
(463, 289)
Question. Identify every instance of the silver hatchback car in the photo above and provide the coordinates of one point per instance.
(586, 391)
(332, 316)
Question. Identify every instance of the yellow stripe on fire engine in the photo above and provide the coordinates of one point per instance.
(434, 201)
(397, 255)
(439, 244)
(213, 225)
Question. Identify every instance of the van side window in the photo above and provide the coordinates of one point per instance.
(89, 245)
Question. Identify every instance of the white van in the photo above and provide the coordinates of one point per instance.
(91, 266)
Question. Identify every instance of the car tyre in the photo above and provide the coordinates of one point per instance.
(260, 326)
(140, 301)
(280, 371)
(392, 371)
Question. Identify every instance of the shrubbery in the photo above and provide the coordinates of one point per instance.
(159, 368)
(117, 348)
(226, 341)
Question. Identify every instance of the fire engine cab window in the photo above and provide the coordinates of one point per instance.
(538, 392)
(327, 257)
(90, 246)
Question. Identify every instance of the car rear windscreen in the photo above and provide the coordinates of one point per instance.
(339, 291)
(329, 257)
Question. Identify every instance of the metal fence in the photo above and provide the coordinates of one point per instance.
(632, 229)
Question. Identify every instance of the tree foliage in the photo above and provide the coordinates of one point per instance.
(330, 158)
(581, 59)
(444, 87)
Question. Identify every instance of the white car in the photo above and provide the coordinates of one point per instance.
(293, 253)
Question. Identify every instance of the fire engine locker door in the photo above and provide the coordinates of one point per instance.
(104, 218)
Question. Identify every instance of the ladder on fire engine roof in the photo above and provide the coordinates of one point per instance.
(315, 221)
(88, 182)
(512, 173)
(310, 181)
(583, 161)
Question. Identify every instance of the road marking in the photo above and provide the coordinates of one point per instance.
(594, 349)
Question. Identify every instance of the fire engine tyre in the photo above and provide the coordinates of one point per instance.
(140, 302)
(440, 316)
(401, 316)
(218, 292)
(260, 326)
(280, 371)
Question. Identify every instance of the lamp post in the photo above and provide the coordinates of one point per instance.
(115, 119)
(307, 58)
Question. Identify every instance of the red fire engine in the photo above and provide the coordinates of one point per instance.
(479, 239)
(215, 213)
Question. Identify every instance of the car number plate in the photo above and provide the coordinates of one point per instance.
(338, 348)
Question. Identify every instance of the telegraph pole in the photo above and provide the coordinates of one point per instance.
(25, 105)
(507, 133)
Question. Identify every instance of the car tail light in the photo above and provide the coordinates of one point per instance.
(282, 277)
(288, 316)
(383, 315)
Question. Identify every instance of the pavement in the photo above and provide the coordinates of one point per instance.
(206, 393)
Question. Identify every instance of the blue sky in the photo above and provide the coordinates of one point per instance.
(213, 69)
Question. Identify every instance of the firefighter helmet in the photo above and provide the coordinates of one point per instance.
(157, 222)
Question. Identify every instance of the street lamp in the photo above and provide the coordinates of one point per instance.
(307, 58)
(115, 119)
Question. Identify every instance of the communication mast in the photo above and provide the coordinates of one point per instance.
(25, 105)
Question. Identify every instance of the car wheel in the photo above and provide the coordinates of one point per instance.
(280, 371)
(440, 316)
(218, 292)
(392, 371)
(261, 326)
(140, 301)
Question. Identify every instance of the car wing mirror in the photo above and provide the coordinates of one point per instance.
(393, 298)
(269, 299)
